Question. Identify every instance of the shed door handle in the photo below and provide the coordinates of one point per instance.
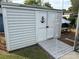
(47, 26)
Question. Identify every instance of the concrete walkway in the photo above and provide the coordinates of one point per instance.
(72, 55)
(56, 48)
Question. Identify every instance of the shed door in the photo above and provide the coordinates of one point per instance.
(50, 24)
(41, 25)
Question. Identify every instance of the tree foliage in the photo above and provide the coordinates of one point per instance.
(32, 2)
(70, 9)
(75, 5)
(37, 2)
(47, 4)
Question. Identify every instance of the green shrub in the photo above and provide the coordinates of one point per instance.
(73, 20)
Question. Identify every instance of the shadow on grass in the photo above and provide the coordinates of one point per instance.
(33, 52)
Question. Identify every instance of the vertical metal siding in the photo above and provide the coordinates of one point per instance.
(21, 25)
(58, 24)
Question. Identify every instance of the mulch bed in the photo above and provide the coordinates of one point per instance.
(68, 38)
(68, 42)
(2, 47)
(2, 42)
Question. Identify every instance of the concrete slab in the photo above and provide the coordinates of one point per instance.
(56, 48)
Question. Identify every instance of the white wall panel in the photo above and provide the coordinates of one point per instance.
(58, 24)
(21, 25)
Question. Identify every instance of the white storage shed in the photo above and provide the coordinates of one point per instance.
(28, 25)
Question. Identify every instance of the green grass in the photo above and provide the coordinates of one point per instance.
(34, 52)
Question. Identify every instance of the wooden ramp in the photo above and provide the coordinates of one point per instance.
(56, 48)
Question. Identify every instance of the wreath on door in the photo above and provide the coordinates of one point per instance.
(42, 19)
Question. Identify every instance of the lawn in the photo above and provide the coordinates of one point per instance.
(34, 52)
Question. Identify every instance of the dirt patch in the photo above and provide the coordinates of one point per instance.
(68, 37)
